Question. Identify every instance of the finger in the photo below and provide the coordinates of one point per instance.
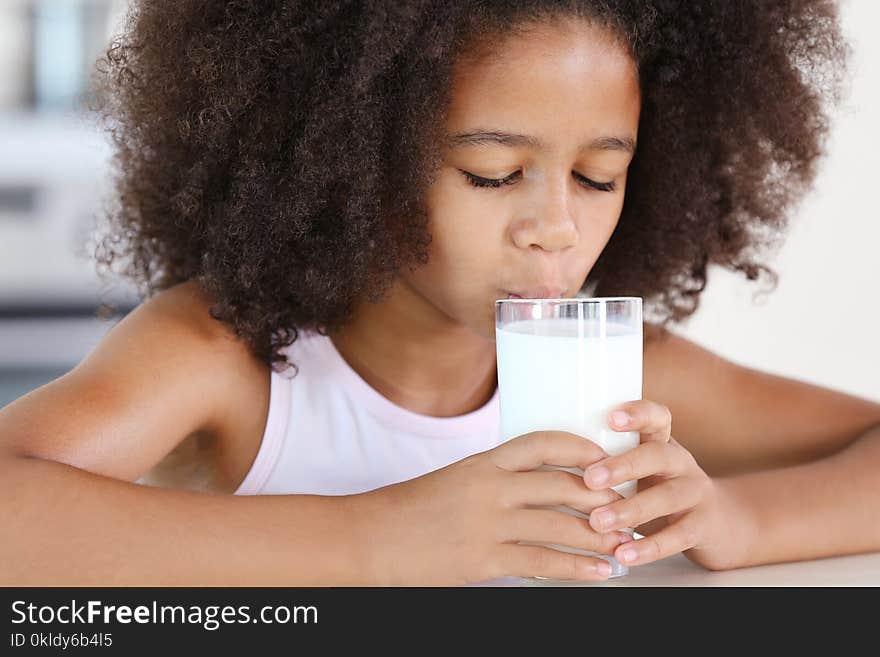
(678, 537)
(552, 526)
(652, 420)
(545, 488)
(537, 448)
(672, 496)
(535, 561)
(651, 458)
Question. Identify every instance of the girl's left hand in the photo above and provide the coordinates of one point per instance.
(692, 513)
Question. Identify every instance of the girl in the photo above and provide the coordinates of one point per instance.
(322, 203)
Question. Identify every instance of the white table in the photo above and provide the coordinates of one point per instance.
(854, 570)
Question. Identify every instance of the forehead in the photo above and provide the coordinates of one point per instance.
(548, 81)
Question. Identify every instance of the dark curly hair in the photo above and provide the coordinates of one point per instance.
(278, 151)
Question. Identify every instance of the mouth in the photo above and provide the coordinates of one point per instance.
(544, 292)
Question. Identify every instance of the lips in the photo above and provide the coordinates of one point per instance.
(540, 292)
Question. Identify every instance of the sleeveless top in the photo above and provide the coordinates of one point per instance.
(328, 432)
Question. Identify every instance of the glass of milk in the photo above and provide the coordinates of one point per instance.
(562, 365)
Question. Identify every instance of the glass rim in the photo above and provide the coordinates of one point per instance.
(571, 300)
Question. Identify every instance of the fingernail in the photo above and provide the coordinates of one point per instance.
(625, 538)
(620, 418)
(598, 475)
(603, 568)
(628, 555)
(603, 518)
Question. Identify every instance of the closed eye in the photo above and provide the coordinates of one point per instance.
(479, 181)
(586, 182)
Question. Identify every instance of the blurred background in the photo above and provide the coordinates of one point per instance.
(820, 325)
(53, 177)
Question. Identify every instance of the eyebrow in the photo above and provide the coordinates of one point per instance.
(488, 137)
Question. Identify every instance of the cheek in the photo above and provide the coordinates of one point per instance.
(608, 222)
(465, 230)
(462, 254)
(600, 220)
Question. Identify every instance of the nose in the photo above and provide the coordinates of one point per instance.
(547, 224)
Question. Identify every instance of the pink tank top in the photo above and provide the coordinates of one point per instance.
(328, 432)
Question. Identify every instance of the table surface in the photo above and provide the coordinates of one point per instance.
(853, 570)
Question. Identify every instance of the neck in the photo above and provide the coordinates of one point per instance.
(435, 368)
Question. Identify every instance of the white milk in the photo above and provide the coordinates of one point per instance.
(566, 381)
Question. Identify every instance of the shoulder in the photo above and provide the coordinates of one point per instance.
(176, 324)
(735, 418)
(666, 351)
(681, 374)
(225, 388)
(219, 455)
(164, 373)
(186, 307)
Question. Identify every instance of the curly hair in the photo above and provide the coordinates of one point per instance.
(278, 151)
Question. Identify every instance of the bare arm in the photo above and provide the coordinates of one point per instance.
(796, 463)
(70, 451)
(819, 509)
(735, 419)
(65, 526)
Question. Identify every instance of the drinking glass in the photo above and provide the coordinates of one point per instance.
(563, 364)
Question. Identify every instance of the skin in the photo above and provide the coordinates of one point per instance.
(709, 487)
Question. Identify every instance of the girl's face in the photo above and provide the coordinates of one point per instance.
(539, 138)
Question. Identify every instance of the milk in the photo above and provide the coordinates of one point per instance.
(564, 381)
(568, 378)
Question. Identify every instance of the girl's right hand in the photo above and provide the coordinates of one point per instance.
(463, 523)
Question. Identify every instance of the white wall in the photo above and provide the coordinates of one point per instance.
(822, 324)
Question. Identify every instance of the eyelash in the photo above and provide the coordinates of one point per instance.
(478, 181)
